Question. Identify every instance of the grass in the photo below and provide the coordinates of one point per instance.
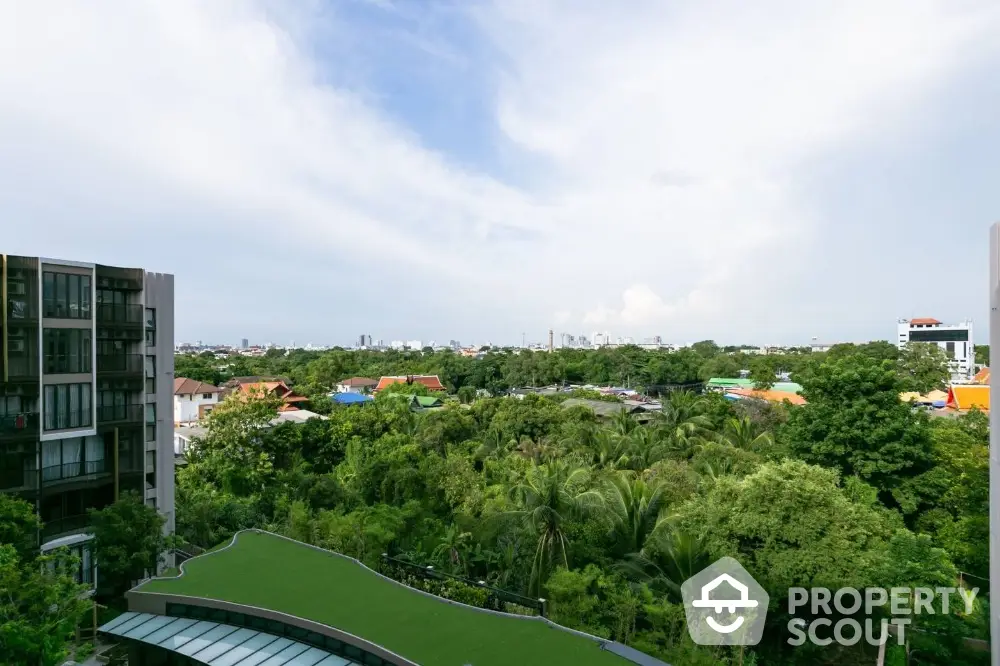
(270, 572)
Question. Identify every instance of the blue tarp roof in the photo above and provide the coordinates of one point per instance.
(350, 398)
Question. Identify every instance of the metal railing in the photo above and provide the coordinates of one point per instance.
(73, 470)
(120, 413)
(67, 363)
(109, 313)
(25, 423)
(495, 597)
(21, 477)
(57, 526)
(58, 309)
(119, 363)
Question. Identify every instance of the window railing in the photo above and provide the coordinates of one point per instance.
(64, 310)
(119, 413)
(18, 474)
(64, 419)
(25, 423)
(57, 526)
(73, 470)
(67, 363)
(119, 362)
(109, 313)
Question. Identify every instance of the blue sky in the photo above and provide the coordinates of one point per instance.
(478, 169)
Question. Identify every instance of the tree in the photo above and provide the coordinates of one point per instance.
(467, 395)
(763, 373)
(854, 422)
(40, 606)
(983, 354)
(40, 602)
(742, 433)
(128, 541)
(634, 508)
(548, 496)
(923, 367)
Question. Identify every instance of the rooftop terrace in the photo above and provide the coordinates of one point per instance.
(279, 574)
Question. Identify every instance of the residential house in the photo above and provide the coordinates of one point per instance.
(193, 400)
(430, 381)
(291, 401)
(357, 385)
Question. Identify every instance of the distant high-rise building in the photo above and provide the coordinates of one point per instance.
(454, 344)
(955, 340)
(244, 343)
(551, 334)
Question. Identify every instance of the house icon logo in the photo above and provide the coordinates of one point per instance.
(724, 605)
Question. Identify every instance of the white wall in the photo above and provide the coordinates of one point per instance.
(187, 407)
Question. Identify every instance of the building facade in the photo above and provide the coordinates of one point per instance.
(86, 381)
(956, 340)
(193, 400)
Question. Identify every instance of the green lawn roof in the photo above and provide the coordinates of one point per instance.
(270, 572)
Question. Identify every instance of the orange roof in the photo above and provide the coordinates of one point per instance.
(925, 321)
(982, 377)
(770, 396)
(430, 381)
(967, 396)
(279, 389)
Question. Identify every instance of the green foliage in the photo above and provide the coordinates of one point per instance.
(128, 541)
(19, 526)
(923, 367)
(40, 605)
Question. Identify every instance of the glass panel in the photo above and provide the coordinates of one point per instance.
(225, 645)
(333, 660)
(121, 619)
(48, 294)
(74, 406)
(241, 651)
(60, 295)
(62, 404)
(206, 639)
(74, 296)
(85, 290)
(265, 653)
(186, 635)
(50, 407)
(147, 628)
(132, 624)
(280, 659)
(86, 411)
(310, 657)
(169, 630)
(86, 350)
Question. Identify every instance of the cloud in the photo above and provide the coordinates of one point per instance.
(642, 167)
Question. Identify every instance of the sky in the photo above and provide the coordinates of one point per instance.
(479, 169)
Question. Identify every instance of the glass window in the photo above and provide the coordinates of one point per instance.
(49, 294)
(150, 413)
(74, 296)
(61, 289)
(62, 404)
(150, 367)
(151, 318)
(50, 407)
(74, 406)
(85, 290)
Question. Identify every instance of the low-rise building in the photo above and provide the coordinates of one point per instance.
(955, 339)
(432, 382)
(193, 400)
(356, 385)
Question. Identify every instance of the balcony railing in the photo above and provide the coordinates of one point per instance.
(64, 525)
(129, 363)
(22, 475)
(25, 424)
(120, 414)
(66, 363)
(108, 313)
(22, 368)
(63, 420)
(73, 470)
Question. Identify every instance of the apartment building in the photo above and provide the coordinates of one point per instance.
(955, 339)
(86, 387)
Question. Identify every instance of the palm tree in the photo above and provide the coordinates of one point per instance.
(645, 448)
(683, 421)
(669, 558)
(622, 422)
(742, 433)
(610, 450)
(547, 496)
(452, 550)
(634, 508)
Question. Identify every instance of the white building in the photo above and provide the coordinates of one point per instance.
(956, 340)
(193, 400)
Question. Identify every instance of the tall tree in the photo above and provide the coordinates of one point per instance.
(547, 497)
(634, 508)
(128, 541)
(923, 367)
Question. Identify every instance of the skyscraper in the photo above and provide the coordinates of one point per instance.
(86, 385)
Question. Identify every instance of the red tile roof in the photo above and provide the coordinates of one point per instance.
(924, 321)
(430, 381)
(185, 386)
(359, 382)
(280, 389)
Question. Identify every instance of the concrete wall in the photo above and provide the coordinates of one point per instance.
(158, 293)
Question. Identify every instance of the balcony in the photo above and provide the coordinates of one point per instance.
(22, 476)
(19, 425)
(69, 419)
(112, 414)
(127, 315)
(22, 369)
(74, 470)
(67, 525)
(66, 364)
(119, 364)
